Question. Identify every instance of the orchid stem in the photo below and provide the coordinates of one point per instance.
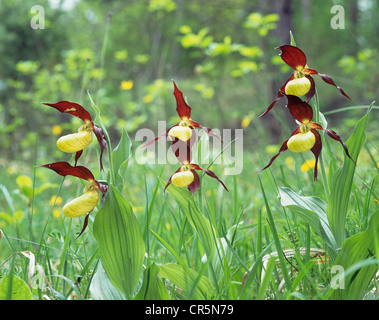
(64, 250)
(321, 160)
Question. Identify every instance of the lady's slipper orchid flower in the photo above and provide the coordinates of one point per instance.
(183, 130)
(305, 137)
(85, 203)
(76, 142)
(186, 175)
(300, 83)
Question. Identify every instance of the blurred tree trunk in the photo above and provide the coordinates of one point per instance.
(282, 32)
(354, 12)
(284, 9)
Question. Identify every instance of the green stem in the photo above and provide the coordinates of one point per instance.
(63, 255)
(321, 160)
(111, 167)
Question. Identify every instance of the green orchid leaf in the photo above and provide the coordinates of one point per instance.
(311, 210)
(339, 200)
(121, 243)
(357, 258)
(152, 287)
(14, 288)
(188, 280)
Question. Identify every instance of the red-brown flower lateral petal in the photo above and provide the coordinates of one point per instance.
(64, 169)
(292, 56)
(71, 108)
(335, 136)
(183, 109)
(282, 149)
(85, 224)
(209, 173)
(279, 96)
(330, 81)
(207, 130)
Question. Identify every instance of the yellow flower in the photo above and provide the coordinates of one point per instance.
(127, 85)
(245, 122)
(56, 130)
(168, 226)
(24, 181)
(148, 98)
(56, 213)
(11, 170)
(307, 165)
(290, 162)
(271, 149)
(57, 200)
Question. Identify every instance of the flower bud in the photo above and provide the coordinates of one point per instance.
(180, 132)
(301, 142)
(182, 178)
(298, 86)
(81, 205)
(76, 141)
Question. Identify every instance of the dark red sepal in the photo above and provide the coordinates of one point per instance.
(292, 56)
(78, 155)
(182, 150)
(195, 185)
(316, 150)
(64, 168)
(299, 109)
(71, 108)
(102, 142)
(183, 109)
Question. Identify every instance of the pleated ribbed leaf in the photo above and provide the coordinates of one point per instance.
(120, 240)
(357, 258)
(339, 200)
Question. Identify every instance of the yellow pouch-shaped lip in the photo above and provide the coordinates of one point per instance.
(182, 178)
(81, 205)
(298, 87)
(301, 142)
(75, 142)
(180, 132)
